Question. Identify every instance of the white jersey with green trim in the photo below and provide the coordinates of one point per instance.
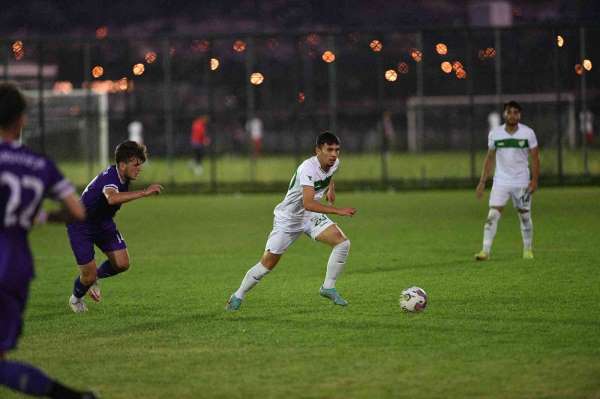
(512, 154)
(289, 213)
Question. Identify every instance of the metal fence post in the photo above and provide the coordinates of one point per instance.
(470, 77)
(212, 118)
(584, 110)
(557, 111)
(41, 105)
(380, 118)
(332, 73)
(168, 107)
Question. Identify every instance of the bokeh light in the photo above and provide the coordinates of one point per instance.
(122, 84)
(201, 46)
(441, 48)
(461, 74)
(150, 57)
(62, 87)
(239, 46)
(301, 97)
(214, 64)
(138, 69)
(256, 78)
(416, 55)
(18, 49)
(560, 41)
(490, 52)
(446, 67)
(97, 71)
(587, 65)
(579, 69)
(328, 56)
(376, 45)
(391, 75)
(101, 32)
(313, 39)
(403, 68)
(457, 65)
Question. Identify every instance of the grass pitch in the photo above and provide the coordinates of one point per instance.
(507, 328)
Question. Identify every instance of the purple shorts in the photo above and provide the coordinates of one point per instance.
(84, 235)
(11, 320)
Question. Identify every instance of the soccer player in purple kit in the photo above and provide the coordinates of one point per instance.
(25, 179)
(102, 199)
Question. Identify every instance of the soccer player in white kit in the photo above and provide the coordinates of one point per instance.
(302, 212)
(510, 144)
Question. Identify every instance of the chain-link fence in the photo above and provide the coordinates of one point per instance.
(413, 108)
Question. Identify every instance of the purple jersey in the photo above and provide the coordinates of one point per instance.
(93, 197)
(25, 179)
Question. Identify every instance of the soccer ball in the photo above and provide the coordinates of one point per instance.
(413, 299)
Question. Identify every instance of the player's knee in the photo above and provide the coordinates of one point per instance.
(344, 246)
(122, 266)
(525, 217)
(493, 216)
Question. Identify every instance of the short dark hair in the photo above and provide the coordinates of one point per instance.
(512, 104)
(12, 104)
(327, 138)
(130, 149)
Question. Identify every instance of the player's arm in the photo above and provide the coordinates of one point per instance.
(71, 210)
(114, 197)
(330, 196)
(486, 172)
(535, 169)
(310, 204)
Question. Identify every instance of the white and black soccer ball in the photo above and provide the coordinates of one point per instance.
(413, 299)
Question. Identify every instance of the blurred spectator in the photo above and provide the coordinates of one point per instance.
(199, 140)
(255, 128)
(136, 131)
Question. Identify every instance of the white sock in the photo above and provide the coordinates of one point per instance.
(251, 278)
(489, 229)
(336, 263)
(526, 230)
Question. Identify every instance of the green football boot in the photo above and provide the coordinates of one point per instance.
(233, 303)
(482, 256)
(527, 254)
(333, 295)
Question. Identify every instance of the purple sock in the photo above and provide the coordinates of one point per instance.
(24, 378)
(79, 289)
(106, 270)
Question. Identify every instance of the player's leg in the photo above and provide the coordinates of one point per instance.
(20, 376)
(324, 230)
(277, 244)
(522, 202)
(111, 242)
(498, 198)
(82, 245)
(82, 284)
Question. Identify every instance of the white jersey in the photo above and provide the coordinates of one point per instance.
(289, 213)
(512, 154)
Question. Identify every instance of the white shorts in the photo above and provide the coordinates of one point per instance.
(521, 198)
(314, 224)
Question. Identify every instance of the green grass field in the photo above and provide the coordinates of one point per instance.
(507, 328)
(430, 165)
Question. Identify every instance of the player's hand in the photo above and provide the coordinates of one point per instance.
(153, 189)
(480, 189)
(330, 196)
(346, 211)
(41, 217)
(533, 185)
